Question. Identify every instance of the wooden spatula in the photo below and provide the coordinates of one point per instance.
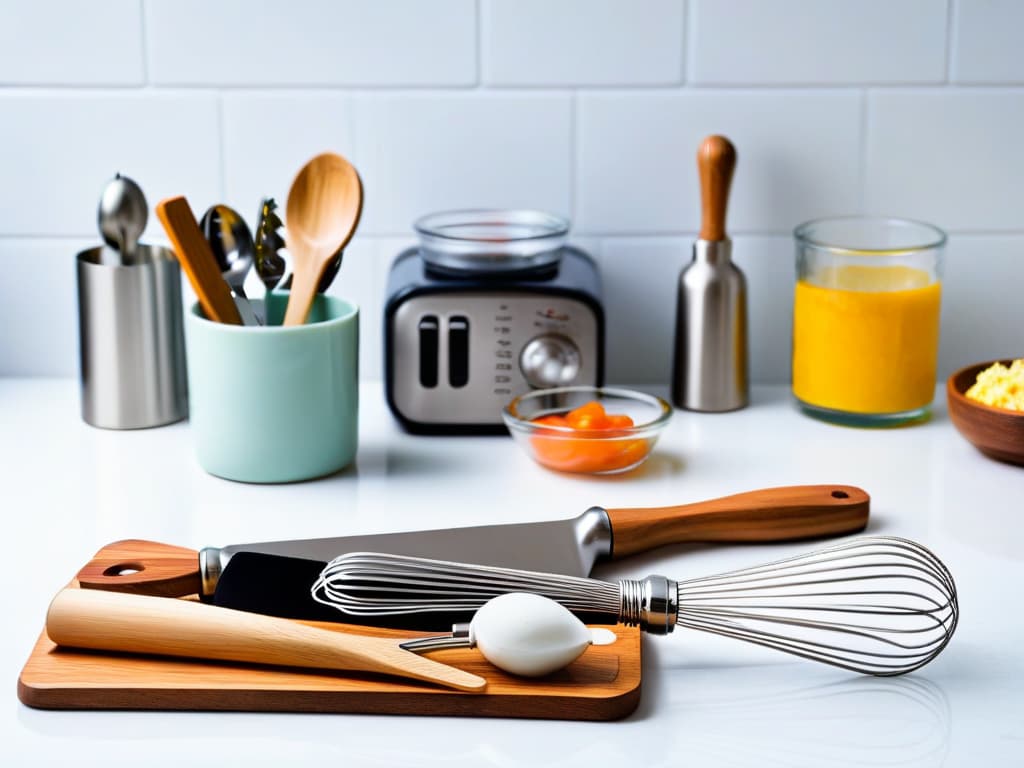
(324, 206)
(108, 621)
(197, 260)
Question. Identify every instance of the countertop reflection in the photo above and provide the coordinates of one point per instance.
(707, 701)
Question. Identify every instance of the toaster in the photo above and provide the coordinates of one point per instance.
(469, 325)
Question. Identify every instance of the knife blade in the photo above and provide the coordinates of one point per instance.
(570, 546)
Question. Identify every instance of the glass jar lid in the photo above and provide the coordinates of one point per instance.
(486, 240)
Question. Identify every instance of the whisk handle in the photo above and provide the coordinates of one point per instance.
(771, 514)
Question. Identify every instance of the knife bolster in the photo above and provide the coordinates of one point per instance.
(593, 530)
(211, 566)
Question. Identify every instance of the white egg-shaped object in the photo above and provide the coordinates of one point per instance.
(527, 634)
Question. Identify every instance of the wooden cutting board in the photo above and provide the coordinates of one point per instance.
(602, 684)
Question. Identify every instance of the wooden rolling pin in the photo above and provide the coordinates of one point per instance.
(112, 621)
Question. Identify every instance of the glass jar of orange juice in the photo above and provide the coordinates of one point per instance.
(866, 319)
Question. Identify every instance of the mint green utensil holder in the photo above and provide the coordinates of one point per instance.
(271, 404)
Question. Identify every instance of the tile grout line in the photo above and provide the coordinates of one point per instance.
(64, 89)
(221, 143)
(687, 42)
(574, 155)
(862, 166)
(952, 18)
(478, 43)
(143, 42)
(673, 235)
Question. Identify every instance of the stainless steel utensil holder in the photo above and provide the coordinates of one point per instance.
(131, 340)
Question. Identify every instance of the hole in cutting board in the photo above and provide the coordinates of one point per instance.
(124, 569)
(840, 495)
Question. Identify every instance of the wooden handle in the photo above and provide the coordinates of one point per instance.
(716, 160)
(197, 260)
(772, 514)
(305, 280)
(106, 621)
(143, 568)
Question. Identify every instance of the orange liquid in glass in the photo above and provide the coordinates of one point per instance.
(865, 339)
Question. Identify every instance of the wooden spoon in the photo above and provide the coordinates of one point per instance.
(324, 205)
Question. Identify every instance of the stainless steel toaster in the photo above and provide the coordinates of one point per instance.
(490, 305)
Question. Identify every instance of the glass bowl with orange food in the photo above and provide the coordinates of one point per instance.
(587, 430)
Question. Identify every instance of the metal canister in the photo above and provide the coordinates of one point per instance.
(131, 340)
(710, 365)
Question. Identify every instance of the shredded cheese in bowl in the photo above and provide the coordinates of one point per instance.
(1000, 387)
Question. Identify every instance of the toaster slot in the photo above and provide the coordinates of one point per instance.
(428, 332)
(458, 350)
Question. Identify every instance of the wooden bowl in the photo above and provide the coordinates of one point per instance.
(996, 432)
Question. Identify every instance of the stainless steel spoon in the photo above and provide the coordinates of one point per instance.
(232, 246)
(122, 216)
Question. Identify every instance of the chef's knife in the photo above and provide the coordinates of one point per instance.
(570, 546)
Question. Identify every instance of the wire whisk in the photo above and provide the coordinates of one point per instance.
(876, 605)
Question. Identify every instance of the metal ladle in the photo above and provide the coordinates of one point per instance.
(233, 248)
(122, 216)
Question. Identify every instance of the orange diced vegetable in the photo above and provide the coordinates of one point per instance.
(602, 453)
(619, 421)
(588, 416)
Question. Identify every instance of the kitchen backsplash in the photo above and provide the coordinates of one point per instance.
(588, 108)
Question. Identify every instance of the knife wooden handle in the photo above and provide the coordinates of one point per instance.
(143, 568)
(772, 514)
(197, 260)
(106, 621)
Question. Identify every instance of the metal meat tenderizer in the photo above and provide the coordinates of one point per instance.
(877, 605)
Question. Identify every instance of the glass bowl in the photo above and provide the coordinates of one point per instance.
(587, 451)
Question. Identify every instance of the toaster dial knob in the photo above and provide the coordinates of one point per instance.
(550, 361)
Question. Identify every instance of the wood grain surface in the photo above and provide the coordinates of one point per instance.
(716, 161)
(603, 684)
(787, 513)
(197, 260)
(996, 432)
(143, 567)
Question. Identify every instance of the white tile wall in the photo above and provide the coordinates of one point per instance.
(988, 42)
(818, 41)
(640, 304)
(589, 108)
(425, 152)
(59, 148)
(982, 310)
(39, 331)
(267, 137)
(311, 42)
(798, 157)
(358, 281)
(55, 42)
(641, 314)
(582, 42)
(951, 156)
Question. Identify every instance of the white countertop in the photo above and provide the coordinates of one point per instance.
(70, 489)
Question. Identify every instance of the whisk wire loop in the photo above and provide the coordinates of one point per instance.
(877, 605)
